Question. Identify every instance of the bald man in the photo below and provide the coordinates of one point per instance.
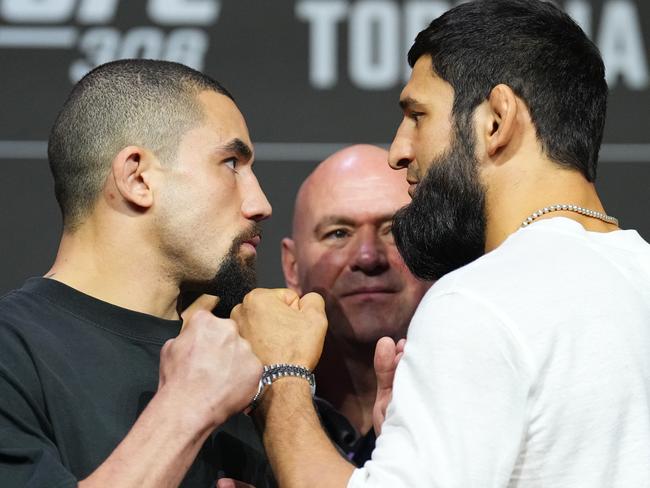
(343, 248)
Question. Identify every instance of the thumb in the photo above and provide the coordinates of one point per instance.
(204, 302)
(231, 483)
(384, 363)
(289, 297)
(312, 301)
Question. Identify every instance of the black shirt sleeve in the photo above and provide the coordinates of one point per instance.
(28, 453)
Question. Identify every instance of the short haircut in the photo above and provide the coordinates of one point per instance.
(539, 52)
(139, 102)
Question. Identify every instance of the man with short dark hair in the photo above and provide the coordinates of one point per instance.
(526, 364)
(152, 164)
(342, 247)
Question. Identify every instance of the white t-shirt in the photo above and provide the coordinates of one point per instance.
(529, 367)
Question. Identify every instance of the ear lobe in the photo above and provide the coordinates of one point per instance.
(131, 178)
(503, 113)
(290, 265)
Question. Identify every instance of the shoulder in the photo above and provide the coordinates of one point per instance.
(530, 259)
(25, 331)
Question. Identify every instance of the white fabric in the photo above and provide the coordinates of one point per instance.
(529, 368)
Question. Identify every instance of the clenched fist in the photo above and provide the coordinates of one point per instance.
(210, 368)
(282, 327)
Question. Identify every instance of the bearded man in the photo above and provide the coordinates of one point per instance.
(526, 363)
(152, 165)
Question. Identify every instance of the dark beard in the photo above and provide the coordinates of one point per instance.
(234, 279)
(443, 228)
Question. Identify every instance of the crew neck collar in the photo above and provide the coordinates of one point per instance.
(121, 321)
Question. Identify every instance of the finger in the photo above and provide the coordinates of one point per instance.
(226, 483)
(288, 296)
(231, 483)
(398, 358)
(312, 301)
(204, 302)
(399, 350)
(384, 362)
(236, 312)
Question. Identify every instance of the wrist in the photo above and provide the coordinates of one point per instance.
(275, 372)
(194, 418)
(291, 395)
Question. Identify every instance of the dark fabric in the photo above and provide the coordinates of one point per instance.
(75, 373)
(355, 447)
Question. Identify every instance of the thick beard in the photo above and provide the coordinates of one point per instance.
(235, 277)
(443, 228)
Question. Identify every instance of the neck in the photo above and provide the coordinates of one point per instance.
(508, 205)
(115, 269)
(346, 379)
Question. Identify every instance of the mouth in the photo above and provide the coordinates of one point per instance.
(369, 291)
(254, 241)
(412, 187)
(251, 244)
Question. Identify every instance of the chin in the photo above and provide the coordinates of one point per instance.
(372, 328)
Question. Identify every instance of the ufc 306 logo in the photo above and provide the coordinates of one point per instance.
(52, 24)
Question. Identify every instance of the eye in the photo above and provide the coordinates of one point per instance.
(232, 164)
(387, 232)
(415, 116)
(337, 234)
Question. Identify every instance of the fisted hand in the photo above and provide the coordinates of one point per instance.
(209, 368)
(282, 327)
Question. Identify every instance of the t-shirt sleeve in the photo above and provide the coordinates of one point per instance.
(458, 413)
(28, 456)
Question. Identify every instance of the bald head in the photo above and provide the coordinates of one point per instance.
(343, 248)
(360, 169)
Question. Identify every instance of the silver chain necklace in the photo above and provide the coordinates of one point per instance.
(569, 208)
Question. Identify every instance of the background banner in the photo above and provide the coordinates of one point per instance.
(310, 76)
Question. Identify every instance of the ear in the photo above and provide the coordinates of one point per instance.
(130, 172)
(290, 265)
(500, 125)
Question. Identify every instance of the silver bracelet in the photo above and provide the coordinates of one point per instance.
(274, 372)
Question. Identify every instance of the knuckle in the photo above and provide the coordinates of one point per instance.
(258, 369)
(197, 319)
(165, 350)
(245, 345)
(200, 316)
(228, 326)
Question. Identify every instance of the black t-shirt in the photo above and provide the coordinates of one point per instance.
(75, 374)
(355, 447)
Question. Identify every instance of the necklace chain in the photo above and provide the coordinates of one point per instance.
(569, 208)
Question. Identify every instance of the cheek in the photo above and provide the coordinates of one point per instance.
(323, 269)
(396, 260)
(413, 289)
(431, 142)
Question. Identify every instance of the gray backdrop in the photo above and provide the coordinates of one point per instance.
(310, 76)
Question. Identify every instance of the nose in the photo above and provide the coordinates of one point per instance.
(401, 152)
(255, 205)
(369, 253)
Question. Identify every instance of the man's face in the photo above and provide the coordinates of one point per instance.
(210, 205)
(344, 249)
(444, 226)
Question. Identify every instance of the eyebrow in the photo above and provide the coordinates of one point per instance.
(332, 220)
(408, 103)
(347, 221)
(239, 147)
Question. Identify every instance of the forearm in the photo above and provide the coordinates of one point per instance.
(300, 452)
(158, 450)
